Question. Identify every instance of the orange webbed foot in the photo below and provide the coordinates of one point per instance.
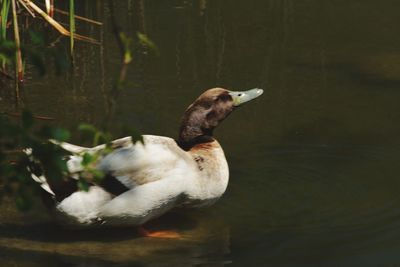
(158, 234)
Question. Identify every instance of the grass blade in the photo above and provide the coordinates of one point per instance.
(71, 26)
(30, 11)
(57, 25)
(50, 7)
(5, 7)
(77, 17)
(18, 55)
(51, 13)
(47, 2)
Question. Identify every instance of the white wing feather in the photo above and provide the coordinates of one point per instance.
(158, 173)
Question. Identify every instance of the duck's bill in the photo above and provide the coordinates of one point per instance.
(240, 97)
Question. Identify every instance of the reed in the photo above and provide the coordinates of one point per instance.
(62, 12)
(49, 7)
(18, 55)
(57, 25)
(47, 3)
(71, 26)
(9, 16)
(5, 7)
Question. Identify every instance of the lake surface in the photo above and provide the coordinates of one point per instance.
(314, 162)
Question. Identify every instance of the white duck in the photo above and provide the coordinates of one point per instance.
(145, 180)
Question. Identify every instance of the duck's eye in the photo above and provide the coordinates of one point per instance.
(224, 97)
(239, 94)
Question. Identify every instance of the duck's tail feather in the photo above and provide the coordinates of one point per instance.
(74, 149)
(57, 190)
(36, 172)
(41, 180)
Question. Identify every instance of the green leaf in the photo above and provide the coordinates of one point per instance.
(84, 127)
(83, 185)
(8, 46)
(129, 131)
(145, 41)
(98, 175)
(108, 149)
(60, 134)
(101, 138)
(136, 137)
(127, 45)
(5, 58)
(87, 159)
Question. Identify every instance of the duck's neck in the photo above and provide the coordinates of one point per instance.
(192, 133)
(189, 144)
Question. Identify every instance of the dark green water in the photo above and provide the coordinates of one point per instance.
(314, 162)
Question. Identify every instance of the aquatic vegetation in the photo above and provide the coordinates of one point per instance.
(18, 55)
(28, 144)
(15, 136)
(5, 6)
(25, 148)
(14, 51)
(11, 6)
(71, 26)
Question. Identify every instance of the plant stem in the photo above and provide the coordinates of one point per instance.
(5, 7)
(56, 10)
(72, 26)
(57, 25)
(18, 55)
(50, 7)
(47, 2)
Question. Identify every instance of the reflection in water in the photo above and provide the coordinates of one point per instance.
(204, 241)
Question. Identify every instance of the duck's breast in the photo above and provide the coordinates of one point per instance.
(213, 172)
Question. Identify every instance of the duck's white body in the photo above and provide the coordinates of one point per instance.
(158, 173)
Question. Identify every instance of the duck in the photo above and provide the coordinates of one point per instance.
(146, 179)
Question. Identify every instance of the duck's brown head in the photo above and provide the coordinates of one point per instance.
(207, 111)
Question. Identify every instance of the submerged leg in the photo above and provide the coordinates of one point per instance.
(157, 234)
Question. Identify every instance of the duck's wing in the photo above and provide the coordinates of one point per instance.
(142, 181)
(128, 166)
(74, 149)
(141, 163)
(159, 175)
(132, 164)
(146, 201)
